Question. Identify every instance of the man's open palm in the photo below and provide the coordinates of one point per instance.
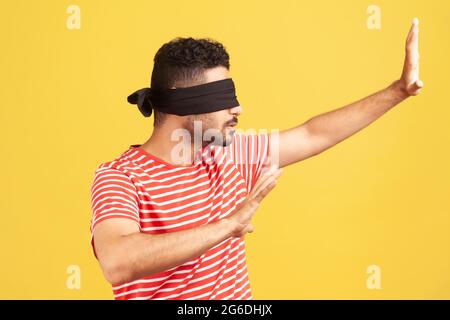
(410, 82)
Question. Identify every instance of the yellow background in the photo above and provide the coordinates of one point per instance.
(381, 197)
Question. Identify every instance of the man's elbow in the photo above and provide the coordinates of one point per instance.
(116, 271)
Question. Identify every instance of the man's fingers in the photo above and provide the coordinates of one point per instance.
(415, 88)
(266, 173)
(410, 32)
(412, 43)
(264, 180)
(413, 31)
(268, 185)
(249, 228)
(264, 192)
(410, 73)
(419, 84)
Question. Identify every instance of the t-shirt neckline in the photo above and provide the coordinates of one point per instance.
(142, 151)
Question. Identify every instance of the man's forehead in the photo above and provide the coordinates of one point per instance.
(217, 73)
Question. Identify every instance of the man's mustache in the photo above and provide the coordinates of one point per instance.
(233, 122)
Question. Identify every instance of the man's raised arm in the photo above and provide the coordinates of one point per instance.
(326, 130)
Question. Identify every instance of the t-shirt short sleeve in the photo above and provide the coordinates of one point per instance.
(113, 195)
(249, 153)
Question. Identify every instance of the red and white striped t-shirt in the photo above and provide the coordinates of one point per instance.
(161, 197)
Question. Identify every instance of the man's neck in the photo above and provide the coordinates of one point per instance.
(161, 146)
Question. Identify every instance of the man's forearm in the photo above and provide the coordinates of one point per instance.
(139, 254)
(332, 127)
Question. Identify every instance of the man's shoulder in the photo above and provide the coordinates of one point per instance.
(125, 163)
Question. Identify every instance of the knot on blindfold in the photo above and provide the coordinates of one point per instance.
(142, 98)
(204, 98)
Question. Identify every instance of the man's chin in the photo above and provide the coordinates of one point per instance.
(228, 137)
(220, 142)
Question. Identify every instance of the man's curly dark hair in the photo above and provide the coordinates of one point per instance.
(182, 62)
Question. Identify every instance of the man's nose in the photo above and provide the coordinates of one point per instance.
(236, 110)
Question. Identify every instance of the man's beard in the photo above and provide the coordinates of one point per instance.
(227, 138)
(212, 136)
